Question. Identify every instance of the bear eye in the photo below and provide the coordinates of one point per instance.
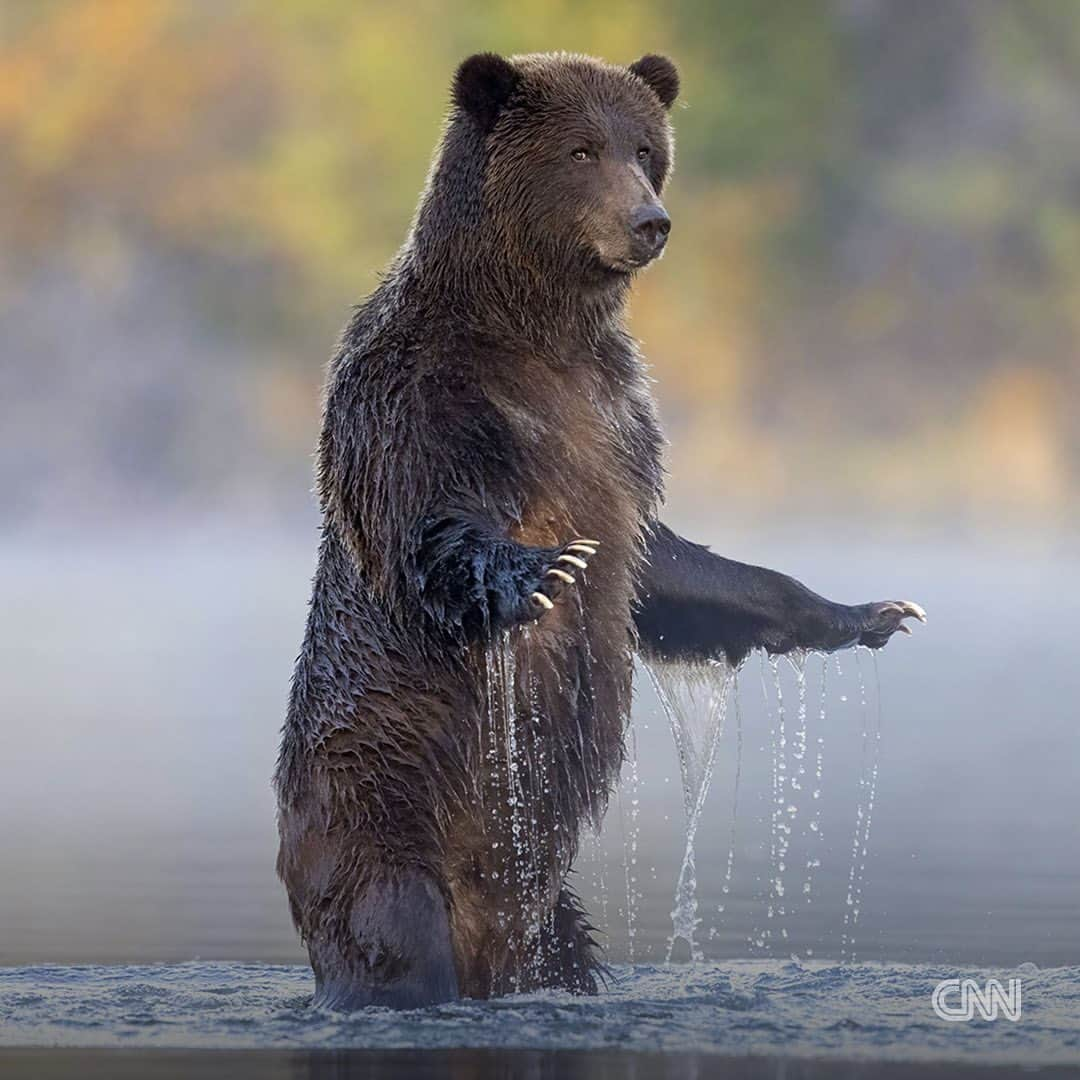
(580, 154)
(643, 153)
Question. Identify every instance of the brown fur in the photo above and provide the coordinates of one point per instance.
(485, 407)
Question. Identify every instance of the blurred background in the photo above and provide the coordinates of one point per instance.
(865, 335)
(872, 301)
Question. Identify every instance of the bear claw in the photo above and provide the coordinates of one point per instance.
(554, 579)
(911, 608)
(905, 608)
(582, 547)
(573, 560)
(887, 618)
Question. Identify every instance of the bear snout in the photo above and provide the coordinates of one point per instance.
(649, 227)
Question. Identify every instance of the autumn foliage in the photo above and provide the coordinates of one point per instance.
(871, 299)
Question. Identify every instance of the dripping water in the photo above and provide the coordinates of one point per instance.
(505, 718)
(599, 876)
(759, 936)
(630, 834)
(694, 700)
(798, 774)
(815, 838)
(780, 829)
(519, 786)
(868, 776)
(537, 751)
(871, 793)
(725, 888)
(492, 753)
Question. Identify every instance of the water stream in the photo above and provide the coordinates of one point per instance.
(695, 701)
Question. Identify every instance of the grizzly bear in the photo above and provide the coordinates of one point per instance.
(489, 471)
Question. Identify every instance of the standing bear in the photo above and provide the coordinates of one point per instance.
(489, 471)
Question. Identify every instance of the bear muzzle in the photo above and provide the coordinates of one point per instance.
(649, 229)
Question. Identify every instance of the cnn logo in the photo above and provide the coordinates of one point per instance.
(961, 999)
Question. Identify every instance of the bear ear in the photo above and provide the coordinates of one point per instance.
(482, 86)
(659, 73)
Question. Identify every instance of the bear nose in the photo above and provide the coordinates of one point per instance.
(651, 224)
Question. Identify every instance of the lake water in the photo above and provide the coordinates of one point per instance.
(142, 685)
(738, 1008)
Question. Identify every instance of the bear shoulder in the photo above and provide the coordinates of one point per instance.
(408, 434)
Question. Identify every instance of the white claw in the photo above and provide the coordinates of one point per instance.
(902, 629)
(562, 575)
(914, 609)
(542, 600)
(573, 560)
(580, 547)
(583, 540)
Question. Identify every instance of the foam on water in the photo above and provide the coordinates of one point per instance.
(854, 1011)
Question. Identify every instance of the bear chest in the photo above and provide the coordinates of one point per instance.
(581, 447)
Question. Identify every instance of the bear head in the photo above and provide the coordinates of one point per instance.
(575, 153)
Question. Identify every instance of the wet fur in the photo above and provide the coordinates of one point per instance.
(477, 408)
(485, 406)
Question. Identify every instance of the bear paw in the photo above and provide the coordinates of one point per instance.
(887, 618)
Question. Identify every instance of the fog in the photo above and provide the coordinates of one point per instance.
(143, 679)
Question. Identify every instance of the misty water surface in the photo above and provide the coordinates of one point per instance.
(143, 686)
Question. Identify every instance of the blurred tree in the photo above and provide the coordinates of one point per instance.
(876, 247)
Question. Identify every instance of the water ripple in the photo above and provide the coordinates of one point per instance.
(855, 1011)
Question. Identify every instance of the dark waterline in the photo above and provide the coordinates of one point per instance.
(466, 1064)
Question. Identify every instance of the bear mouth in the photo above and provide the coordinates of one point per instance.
(620, 267)
(631, 262)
